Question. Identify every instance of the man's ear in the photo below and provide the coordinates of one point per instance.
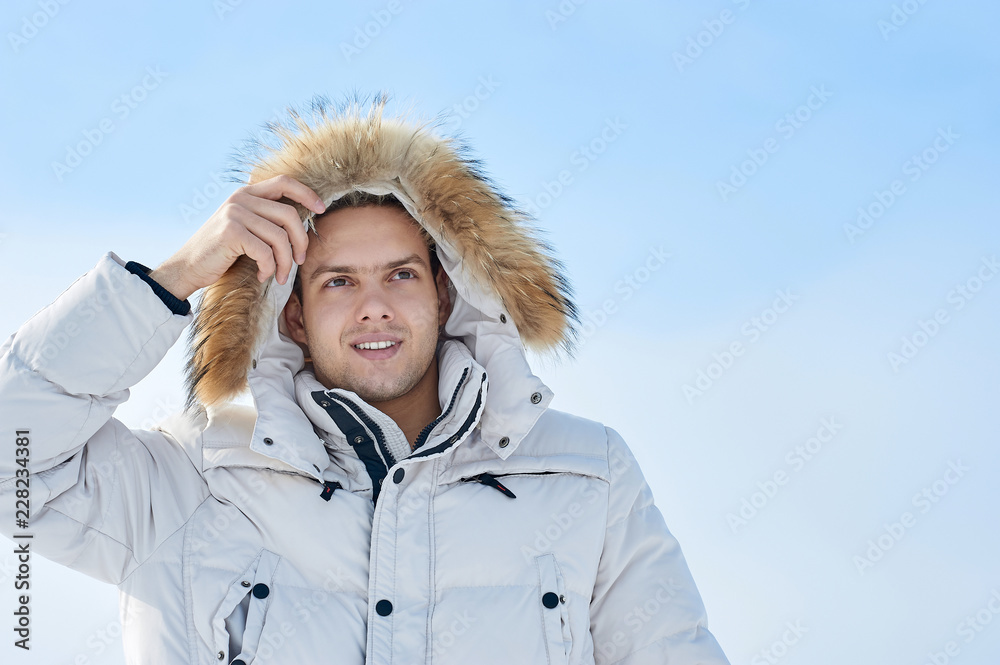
(293, 318)
(444, 298)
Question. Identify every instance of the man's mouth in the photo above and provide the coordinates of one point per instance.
(374, 345)
(377, 350)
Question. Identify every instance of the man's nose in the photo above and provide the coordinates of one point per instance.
(373, 304)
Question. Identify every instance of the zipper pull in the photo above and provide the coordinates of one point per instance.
(328, 488)
(487, 479)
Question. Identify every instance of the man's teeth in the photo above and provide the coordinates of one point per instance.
(374, 345)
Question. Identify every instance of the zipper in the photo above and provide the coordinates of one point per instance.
(389, 460)
(425, 432)
(328, 488)
(353, 422)
(461, 431)
(490, 480)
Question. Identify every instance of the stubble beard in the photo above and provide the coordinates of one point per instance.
(339, 373)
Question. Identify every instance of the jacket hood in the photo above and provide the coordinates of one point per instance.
(506, 284)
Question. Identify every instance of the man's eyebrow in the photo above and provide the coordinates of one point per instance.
(352, 270)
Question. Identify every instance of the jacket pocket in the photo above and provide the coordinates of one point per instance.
(552, 602)
(493, 479)
(238, 624)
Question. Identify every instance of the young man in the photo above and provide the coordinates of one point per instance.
(400, 490)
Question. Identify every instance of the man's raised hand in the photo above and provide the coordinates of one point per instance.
(252, 222)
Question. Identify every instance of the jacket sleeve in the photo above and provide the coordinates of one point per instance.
(646, 609)
(102, 496)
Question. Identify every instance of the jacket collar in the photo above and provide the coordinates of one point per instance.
(462, 385)
(497, 395)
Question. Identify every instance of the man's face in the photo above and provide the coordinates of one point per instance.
(367, 280)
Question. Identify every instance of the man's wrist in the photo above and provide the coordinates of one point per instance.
(170, 299)
(172, 280)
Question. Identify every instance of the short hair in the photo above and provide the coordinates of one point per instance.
(359, 199)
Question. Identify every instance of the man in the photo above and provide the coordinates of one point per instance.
(400, 490)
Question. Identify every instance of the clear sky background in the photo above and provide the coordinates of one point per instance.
(699, 168)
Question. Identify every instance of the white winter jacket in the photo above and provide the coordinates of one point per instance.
(295, 531)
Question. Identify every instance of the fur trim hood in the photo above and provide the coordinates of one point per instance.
(503, 274)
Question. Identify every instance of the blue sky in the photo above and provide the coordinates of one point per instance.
(818, 109)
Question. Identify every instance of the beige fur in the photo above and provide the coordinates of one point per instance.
(348, 147)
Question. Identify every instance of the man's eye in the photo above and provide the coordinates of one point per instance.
(408, 274)
(336, 279)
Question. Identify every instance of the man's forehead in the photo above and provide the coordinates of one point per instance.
(366, 265)
(389, 221)
(360, 240)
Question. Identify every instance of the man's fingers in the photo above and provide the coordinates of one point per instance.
(250, 222)
(261, 253)
(284, 216)
(289, 187)
(279, 249)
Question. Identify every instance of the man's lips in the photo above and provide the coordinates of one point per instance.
(375, 337)
(390, 347)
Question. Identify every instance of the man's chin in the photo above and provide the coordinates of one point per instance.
(378, 394)
(374, 383)
(374, 389)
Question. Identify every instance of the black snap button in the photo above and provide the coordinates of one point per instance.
(253, 363)
(536, 398)
(398, 476)
(550, 600)
(245, 583)
(503, 318)
(268, 441)
(260, 591)
(504, 441)
(383, 607)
